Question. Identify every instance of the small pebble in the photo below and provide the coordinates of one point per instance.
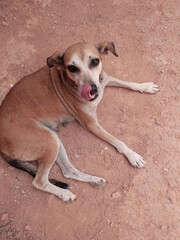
(110, 223)
(5, 24)
(5, 217)
(116, 194)
(23, 192)
(28, 228)
(165, 169)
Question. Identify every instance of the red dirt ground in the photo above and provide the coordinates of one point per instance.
(135, 204)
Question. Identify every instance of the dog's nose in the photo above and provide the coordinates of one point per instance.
(93, 89)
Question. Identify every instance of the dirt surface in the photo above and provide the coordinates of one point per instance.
(135, 204)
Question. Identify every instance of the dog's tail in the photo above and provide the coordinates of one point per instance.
(30, 168)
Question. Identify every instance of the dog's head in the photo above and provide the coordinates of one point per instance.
(82, 64)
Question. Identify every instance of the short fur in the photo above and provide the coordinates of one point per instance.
(43, 102)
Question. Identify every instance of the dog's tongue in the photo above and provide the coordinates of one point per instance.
(85, 92)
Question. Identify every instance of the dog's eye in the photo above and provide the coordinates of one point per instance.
(94, 62)
(73, 68)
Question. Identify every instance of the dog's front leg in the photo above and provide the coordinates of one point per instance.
(134, 158)
(70, 171)
(148, 87)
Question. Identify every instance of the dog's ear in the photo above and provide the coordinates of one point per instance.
(105, 47)
(55, 60)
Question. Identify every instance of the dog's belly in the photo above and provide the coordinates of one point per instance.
(56, 125)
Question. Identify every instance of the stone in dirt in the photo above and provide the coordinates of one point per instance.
(28, 228)
(5, 217)
(116, 194)
(5, 24)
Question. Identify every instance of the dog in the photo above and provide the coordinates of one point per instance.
(69, 87)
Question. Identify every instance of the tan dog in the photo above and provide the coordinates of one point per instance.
(69, 88)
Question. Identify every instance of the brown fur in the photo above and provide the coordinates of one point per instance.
(40, 103)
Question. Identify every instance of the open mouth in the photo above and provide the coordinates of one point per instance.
(89, 92)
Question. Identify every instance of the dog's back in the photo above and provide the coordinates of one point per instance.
(21, 112)
(28, 101)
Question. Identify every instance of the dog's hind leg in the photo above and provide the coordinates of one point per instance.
(45, 162)
(41, 182)
(69, 171)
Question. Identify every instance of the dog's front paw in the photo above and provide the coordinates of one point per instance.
(67, 196)
(148, 87)
(135, 159)
(96, 181)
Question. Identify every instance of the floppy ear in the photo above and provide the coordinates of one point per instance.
(105, 47)
(55, 60)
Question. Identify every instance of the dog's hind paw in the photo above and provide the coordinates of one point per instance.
(67, 196)
(135, 159)
(96, 181)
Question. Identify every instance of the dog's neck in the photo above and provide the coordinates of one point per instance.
(62, 91)
(68, 83)
(68, 94)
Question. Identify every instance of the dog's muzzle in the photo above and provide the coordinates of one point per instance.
(89, 91)
(93, 89)
(94, 92)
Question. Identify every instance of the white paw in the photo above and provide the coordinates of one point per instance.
(67, 196)
(98, 181)
(148, 87)
(135, 159)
